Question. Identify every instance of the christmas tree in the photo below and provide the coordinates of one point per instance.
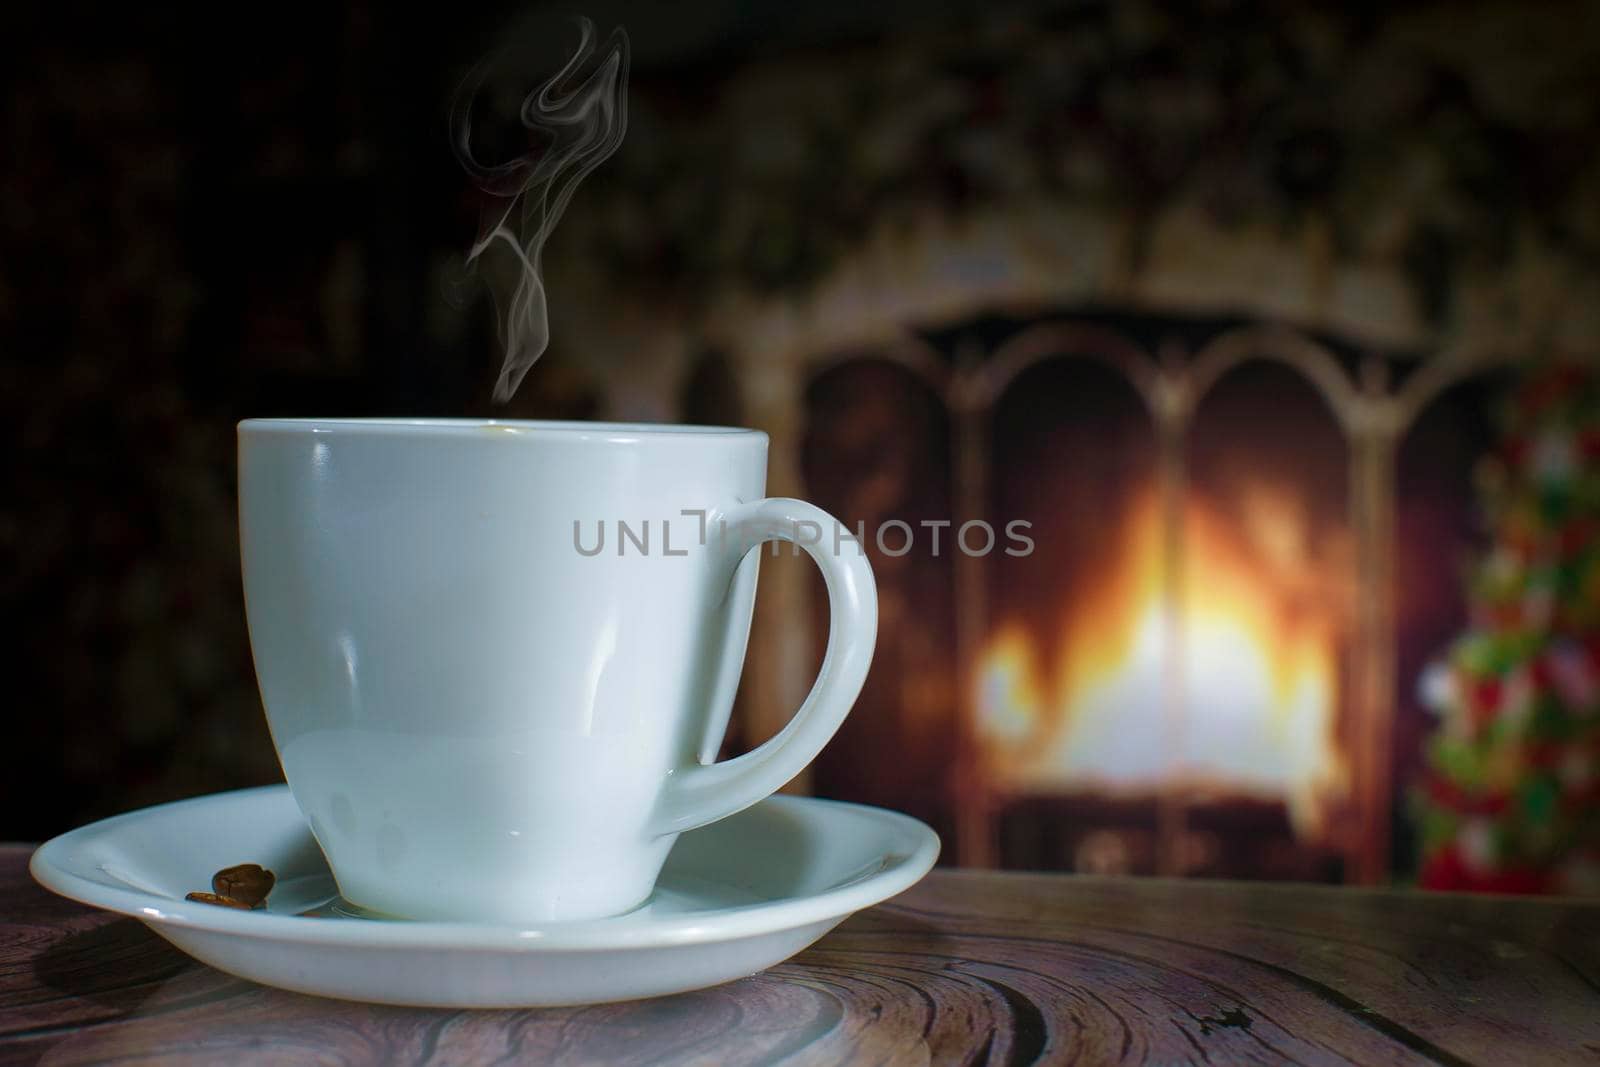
(1510, 801)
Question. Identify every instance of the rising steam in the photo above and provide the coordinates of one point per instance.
(578, 121)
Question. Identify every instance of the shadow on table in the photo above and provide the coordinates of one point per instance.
(116, 965)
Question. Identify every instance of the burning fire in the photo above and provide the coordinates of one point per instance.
(1251, 706)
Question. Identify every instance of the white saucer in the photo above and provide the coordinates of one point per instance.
(735, 898)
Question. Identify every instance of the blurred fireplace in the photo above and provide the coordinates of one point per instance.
(1195, 670)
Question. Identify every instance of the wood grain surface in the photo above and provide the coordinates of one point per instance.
(967, 968)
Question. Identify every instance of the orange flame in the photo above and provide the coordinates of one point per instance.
(1231, 685)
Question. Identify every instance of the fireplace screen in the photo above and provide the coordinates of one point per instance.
(1196, 656)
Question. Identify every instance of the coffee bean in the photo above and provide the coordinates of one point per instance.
(248, 883)
(221, 901)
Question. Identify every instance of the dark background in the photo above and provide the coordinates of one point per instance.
(205, 217)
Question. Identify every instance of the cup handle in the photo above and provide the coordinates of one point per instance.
(702, 793)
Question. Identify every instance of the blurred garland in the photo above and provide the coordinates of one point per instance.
(766, 179)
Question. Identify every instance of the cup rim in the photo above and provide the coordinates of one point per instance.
(617, 432)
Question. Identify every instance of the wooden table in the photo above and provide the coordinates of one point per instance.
(968, 967)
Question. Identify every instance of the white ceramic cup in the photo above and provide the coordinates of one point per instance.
(483, 721)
